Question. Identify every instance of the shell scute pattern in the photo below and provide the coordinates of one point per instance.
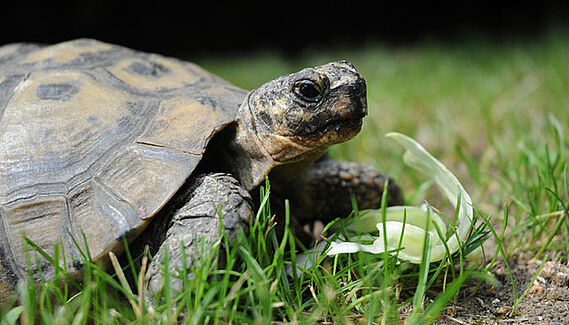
(95, 139)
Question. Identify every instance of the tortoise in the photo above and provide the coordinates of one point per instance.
(98, 140)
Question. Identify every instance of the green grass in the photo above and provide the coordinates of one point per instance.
(251, 287)
(495, 114)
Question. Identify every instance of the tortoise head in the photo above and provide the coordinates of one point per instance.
(290, 121)
(303, 113)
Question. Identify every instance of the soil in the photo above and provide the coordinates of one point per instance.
(546, 302)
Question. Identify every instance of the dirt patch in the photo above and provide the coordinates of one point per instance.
(547, 301)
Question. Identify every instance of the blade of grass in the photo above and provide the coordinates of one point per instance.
(124, 283)
(530, 284)
(499, 241)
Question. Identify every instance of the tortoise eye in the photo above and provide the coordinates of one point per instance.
(308, 90)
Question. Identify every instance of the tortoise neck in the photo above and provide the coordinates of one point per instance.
(247, 158)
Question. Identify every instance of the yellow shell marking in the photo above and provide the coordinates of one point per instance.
(180, 123)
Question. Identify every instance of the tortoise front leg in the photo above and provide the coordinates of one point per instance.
(324, 190)
(195, 225)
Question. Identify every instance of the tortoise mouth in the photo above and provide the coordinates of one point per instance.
(347, 117)
(333, 132)
(342, 125)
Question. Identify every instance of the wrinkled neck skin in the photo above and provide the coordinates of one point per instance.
(255, 150)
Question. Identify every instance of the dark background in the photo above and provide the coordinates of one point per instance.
(286, 26)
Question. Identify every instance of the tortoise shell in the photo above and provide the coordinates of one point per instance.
(94, 140)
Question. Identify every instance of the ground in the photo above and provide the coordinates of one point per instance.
(546, 302)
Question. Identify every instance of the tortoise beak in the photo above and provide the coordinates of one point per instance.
(351, 100)
(355, 89)
(358, 96)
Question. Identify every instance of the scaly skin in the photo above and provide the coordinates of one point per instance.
(324, 190)
(195, 225)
